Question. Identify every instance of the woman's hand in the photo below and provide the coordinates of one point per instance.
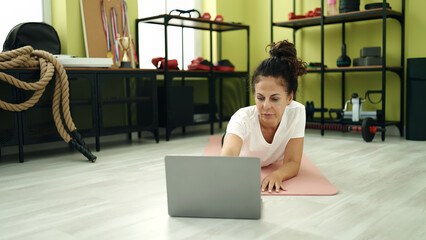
(289, 168)
(273, 180)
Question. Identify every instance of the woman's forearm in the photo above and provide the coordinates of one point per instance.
(288, 170)
(231, 145)
(292, 159)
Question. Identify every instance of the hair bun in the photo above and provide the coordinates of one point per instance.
(282, 49)
(285, 51)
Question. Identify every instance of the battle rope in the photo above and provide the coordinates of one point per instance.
(26, 57)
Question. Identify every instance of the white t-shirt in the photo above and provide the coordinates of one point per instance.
(245, 124)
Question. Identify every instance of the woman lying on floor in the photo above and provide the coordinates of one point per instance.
(274, 128)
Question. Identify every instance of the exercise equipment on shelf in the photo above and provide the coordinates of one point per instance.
(315, 65)
(206, 16)
(368, 128)
(160, 62)
(218, 18)
(369, 56)
(348, 6)
(344, 60)
(224, 65)
(188, 12)
(376, 5)
(200, 63)
(314, 13)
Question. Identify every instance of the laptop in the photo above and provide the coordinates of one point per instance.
(213, 186)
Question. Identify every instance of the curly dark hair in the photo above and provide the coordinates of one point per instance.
(283, 62)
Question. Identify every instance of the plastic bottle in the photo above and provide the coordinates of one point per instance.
(355, 107)
(331, 10)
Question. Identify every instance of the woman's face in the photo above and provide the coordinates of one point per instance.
(271, 100)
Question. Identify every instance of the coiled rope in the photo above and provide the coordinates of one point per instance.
(27, 57)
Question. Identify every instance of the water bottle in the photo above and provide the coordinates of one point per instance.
(356, 103)
(331, 10)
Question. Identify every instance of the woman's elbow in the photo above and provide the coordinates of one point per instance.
(227, 152)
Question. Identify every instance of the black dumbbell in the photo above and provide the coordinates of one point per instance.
(367, 129)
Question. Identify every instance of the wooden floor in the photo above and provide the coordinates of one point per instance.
(56, 194)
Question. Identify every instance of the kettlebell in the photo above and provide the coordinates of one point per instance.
(343, 61)
(310, 109)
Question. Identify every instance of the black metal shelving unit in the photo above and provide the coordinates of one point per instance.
(167, 20)
(373, 14)
(137, 98)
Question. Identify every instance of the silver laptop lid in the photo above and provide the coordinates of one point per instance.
(213, 186)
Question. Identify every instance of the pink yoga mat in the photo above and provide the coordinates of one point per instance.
(309, 181)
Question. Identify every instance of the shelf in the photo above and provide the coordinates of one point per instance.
(90, 108)
(202, 73)
(76, 102)
(169, 106)
(80, 70)
(346, 122)
(381, 15)
(341, 18)
(126, 100)
(196, 23)
(230, 74)
(114, 70)
(356, 69)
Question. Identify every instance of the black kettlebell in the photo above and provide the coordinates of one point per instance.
(310, 109)
(343, 61)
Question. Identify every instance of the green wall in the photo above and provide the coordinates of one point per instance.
(256, 13)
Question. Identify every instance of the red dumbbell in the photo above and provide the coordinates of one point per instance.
(292, 16)
(206, 16)
(219, 18)
(317, 12)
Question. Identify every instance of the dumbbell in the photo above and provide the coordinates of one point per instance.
(367, 128)
(218, 18)
(309, 14)
(292, 16)
(310, 110)
(206, 16)
(315, 13)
